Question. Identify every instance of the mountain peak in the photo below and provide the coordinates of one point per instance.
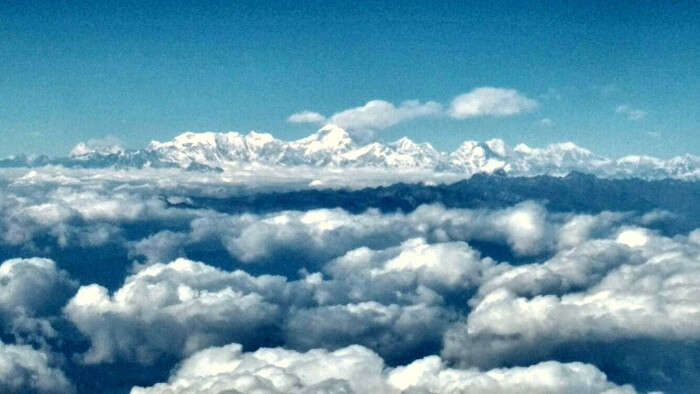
(329, 137)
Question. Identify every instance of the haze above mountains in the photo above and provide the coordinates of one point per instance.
(334, 148)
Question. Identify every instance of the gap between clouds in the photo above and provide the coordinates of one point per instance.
(380, 114)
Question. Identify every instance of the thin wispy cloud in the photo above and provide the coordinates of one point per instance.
(630, 113)
(546, 122)
(306, 117)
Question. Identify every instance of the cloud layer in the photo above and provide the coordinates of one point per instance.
(181, 282)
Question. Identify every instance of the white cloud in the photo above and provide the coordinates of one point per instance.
(31, 292)
(191, 301)
(546, 122)
(25, 370)
(601, 291)
(306, 117)
(630, 113)
(490, 101)
(355, 369)
(380, 114)
(34, 285)
(396, 331)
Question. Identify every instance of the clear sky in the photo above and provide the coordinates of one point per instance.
(616, 77)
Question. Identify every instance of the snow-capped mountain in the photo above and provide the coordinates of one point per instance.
(333, 147)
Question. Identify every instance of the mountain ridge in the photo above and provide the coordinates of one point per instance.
(334, 148)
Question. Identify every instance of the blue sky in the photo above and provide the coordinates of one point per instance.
(616, 78)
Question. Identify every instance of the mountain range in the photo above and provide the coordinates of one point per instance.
(334, 147)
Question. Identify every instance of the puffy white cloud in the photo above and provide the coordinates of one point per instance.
(321, 234)
(25, 370)
(393, 330)
(569, 269)
(401, 284)
(490, 101)
(161, 247)
(31, 292)
(77, 215)
(581, 228)
(306, 117)
(193, 302)
(355, 369)
(33, 285)
(174, 308)
(380, 114)
(441, 266)
(602, 291)
(630, 113)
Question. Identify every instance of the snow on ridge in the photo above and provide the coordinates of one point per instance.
(332, 147)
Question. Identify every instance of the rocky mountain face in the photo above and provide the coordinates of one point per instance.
(333, 147)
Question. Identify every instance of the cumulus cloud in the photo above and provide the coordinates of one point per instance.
(525, 227)
(630, 113)
(490, 101)
(306, 117)
(499, 284)
(32, 291)
(392, 308)
(380, 114)
(441, 266)
(191, 301)
(396, 331)
(602, 291)
(34, 285)
(356, 369)
(25, 370)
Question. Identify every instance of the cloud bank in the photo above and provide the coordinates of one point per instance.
(174, 281)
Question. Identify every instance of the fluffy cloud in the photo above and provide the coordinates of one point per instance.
(31, 292)
(356, 369)
(34, 286)
(322, 234)
(380, 114)
(306, 117)
(25, 370)
(490, 101)
(490, 287)
(630, 113)
(374, 115)
(192, 302)
(441, 266)
(603, 291)
(398, 332)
